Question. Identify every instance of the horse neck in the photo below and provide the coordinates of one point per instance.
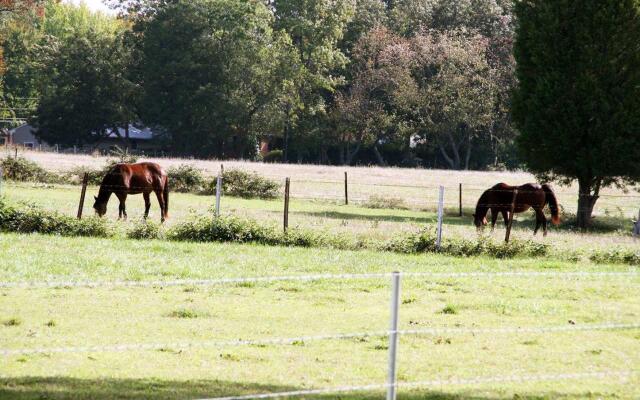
(104, 194)
(482, 207)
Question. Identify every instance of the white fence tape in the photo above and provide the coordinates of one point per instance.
(442, 382)
(316, 277)
(302, 339)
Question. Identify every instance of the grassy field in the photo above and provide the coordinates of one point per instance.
(74, 317)
(35, 318)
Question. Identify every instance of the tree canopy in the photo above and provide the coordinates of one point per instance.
(577, 104)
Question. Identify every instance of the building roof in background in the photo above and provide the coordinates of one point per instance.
(134, 133)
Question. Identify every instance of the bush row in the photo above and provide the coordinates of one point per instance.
(207, 228)
(31, 219)
(184, 178)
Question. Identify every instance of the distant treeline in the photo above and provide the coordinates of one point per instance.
(408, 82)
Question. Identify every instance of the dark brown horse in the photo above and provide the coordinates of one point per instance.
(125, 179)
(530, 195)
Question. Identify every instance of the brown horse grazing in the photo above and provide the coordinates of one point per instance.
(530, 195)
(125, 179)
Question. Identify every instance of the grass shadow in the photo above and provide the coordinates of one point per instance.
(61, 388)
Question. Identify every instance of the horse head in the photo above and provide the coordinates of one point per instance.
(479, 221)
(100, 206)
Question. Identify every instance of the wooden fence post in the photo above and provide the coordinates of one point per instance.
(513, 206)
(346, 189)
(287, 184)
(85, 180)
(16, 155)
(1, 172)
(460, 198)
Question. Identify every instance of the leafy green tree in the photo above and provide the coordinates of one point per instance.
(209, 68)
(577, 104)
(315, 28)
(86, 92)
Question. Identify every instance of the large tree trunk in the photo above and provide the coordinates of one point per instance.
(351, 154)
(587, 198)
(379, 158)
(467, 157)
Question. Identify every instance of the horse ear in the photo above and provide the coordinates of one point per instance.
(95, 197)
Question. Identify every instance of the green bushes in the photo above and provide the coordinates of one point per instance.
(240, 183)
(76, 174)
(240, 230)
(618, 256)
(273, 156)
(23, 170)
(30, 219)
(186, 178)
(380, 202)
(424, 241)
(145, 230)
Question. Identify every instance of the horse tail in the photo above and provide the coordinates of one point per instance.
(550, 198)
(165, 193)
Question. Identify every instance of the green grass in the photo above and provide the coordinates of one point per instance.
(98, 316)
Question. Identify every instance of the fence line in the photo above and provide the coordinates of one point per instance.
(316, 277)
(623, 374)
(117, 348)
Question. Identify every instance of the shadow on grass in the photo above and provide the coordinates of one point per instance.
(60, 388)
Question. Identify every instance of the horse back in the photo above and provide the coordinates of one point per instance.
(136, 178)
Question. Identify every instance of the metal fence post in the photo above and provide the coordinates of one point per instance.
(440, 215)
(392, 379)
(218, 193)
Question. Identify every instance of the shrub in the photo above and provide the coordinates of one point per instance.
(186, 178)
(145, 229)
(31, 219)
(223, 229)
(616, 256)
(424, 241)
(23, 170)
(380, 202)
(273, 156)
(240, 183)
(76, 174)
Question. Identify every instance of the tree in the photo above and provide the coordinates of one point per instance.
(577, 104)
(452, 95)
(208, 69)
(86, 92)
(315, 28)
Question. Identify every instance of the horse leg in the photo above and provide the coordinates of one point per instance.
(161, 203)
(544, 223)
(122, 210)
(494, 218)
(505, 217)
(147, 204)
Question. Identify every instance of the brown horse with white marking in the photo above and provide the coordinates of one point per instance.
(126, 179)
(530, 195)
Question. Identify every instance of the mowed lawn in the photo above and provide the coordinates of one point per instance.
(45, 318)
